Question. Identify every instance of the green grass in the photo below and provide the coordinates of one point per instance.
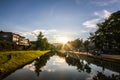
(10, 61)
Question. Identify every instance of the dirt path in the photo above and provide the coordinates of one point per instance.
(111, 56)
(108, 56)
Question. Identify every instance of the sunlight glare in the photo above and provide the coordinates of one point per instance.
(63, 40)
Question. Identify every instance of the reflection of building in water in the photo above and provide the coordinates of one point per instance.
(14, 38)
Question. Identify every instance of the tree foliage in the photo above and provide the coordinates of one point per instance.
(106, 38)
(42, 42)
(74, 45)
(86, 45)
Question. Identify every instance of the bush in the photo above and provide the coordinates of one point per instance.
(9, 46)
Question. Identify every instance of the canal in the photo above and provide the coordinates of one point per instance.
(57, 66)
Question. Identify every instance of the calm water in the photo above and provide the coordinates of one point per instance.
(67, 67)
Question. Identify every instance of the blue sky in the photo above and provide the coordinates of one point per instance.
(55, 18)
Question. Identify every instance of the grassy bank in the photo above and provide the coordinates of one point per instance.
(10, 61)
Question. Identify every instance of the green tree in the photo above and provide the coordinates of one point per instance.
(108, 33)
(76, 44)
(86, 45)
(42, 43)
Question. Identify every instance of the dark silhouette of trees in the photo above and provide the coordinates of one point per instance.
(86, 45)
(76, 44)
(8, 46)
(106, 38)
(101, 76)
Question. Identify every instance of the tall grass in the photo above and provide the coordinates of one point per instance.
(10, 61)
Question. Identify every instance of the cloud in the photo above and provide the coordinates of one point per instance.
(101, 15)
(32, 35)
(36, 32)
(106, 2)
(91, 23)
(52, 34)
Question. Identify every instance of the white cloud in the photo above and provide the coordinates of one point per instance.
(36, 32)
(104, 14)
(32, 35)
(91, 23)
(52, 34)
(106, 2)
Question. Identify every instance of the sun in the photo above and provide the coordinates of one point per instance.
(63, 40)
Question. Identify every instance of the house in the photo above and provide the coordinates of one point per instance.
(14, 38)
(24, 41)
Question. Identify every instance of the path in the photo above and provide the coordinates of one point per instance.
(116, 57)
(111, 56)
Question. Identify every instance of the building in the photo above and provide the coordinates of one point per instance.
(24, 41)
(14, 38)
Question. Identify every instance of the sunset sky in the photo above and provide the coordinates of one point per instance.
(55, 18)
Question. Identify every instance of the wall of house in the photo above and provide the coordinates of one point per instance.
(14, 38)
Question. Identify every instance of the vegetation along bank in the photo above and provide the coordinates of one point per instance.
(10, 61)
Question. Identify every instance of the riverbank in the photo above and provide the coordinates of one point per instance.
(10, 61)
(105, 57)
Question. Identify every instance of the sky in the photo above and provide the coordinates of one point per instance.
(55, 18)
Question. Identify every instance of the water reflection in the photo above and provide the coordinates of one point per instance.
(83, 64)
(68, 66)
(102, 76)
(41, 62)
(80, 64)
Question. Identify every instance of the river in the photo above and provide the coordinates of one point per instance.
(56, 66)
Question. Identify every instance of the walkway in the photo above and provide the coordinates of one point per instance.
(111, 56)
(115, 57)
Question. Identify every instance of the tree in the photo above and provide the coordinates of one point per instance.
(42, 43)
(86, 45)
(76, 44)
(106, 38)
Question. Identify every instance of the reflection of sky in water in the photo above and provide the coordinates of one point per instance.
(30, 67)
(95, 70)
(100, 69)
(57, 64)
(56, 69)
